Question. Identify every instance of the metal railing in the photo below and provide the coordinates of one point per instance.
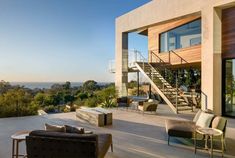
(181, 59)
(160, 60)
(112, 66)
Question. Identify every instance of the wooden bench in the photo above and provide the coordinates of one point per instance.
(91, 116)
(108, 115)
(96, 116)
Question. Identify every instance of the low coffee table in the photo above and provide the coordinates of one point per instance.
(209, 133)
(16, 139)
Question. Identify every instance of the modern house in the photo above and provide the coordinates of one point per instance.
(183, 33)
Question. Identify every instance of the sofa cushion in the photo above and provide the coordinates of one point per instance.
(204, 120)
(71, 129)
(54, 128)
(42, 133)
(196, 117)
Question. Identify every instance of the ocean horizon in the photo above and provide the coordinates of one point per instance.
(47, 85)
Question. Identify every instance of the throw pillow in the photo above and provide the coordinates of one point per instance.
(71, 129)
(54, 128)
(204, 120)
(196, 117)
(150, 100)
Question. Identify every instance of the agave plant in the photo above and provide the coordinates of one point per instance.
(108, 103)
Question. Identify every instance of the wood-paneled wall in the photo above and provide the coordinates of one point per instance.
(191, 54)
(228, 31)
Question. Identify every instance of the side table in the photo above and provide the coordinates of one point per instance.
(16, 139)
(209, 133)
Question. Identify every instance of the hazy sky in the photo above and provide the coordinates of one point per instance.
(60, 40)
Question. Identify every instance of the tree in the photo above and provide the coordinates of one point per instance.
(17, 102)
(90, 86)
(67, 85)
(39, 99)
(4, 86)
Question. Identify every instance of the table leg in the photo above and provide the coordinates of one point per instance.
(17, 148)
(211, 146)
(195, 143)
(206, 147)
(222, 144)
(13, 148)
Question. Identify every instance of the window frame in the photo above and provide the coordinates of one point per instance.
(159, 36)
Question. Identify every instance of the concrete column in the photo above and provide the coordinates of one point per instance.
(211, 67)
(121, 66)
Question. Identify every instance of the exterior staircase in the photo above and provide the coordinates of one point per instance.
(168, 93)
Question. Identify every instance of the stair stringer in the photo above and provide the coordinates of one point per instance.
(157, 89)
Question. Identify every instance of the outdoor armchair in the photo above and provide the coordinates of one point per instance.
(150, 105)
(186, 129)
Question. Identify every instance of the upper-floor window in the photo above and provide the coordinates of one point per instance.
(181, 37)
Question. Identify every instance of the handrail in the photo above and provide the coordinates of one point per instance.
(181, 59)
(161, 61)
(206, 99)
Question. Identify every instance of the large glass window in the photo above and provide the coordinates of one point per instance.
(229, 89)
(181, 37)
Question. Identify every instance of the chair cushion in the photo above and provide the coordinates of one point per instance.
(196, 117)
(180, 128)
(204, 120)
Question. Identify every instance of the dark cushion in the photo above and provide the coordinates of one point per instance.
(180, 128)
(42, 133)
(71, 129)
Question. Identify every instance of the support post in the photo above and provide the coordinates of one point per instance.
(150, 91)
(138, 83)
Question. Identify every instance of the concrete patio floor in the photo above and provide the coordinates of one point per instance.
(134, 135)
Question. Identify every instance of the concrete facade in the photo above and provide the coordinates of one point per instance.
(160, 11)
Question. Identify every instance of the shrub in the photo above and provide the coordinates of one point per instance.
(82, 96)
(91, 102)
(49, 109)
(79, 102)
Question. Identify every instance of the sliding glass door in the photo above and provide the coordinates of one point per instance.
(229, 87)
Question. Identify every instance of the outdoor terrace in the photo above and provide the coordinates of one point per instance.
(135, 135)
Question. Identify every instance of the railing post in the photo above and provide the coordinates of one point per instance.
(176, 85)
(135, 52)
(169, 56)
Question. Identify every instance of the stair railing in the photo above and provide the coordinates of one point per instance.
(181, 59)
(152, 53)
(144, 61)
(176, 94)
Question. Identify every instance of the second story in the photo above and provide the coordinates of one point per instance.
(177, 41)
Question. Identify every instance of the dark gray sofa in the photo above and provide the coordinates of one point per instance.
(46, 144)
